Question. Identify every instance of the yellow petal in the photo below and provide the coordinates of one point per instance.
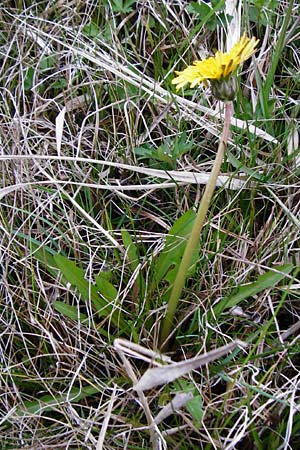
(217, 67)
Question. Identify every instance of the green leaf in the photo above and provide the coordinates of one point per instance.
(167, 264)
(69, 311)
(168, 152)
(103, 295)
(239, 166)
(133, 255)
(106, 289)
(122, 6)
(45, 255)
(195, 408)
(218, 5)
(75, 276)
(202, 9)
(60, 84)
(91, 30)
(146, 151)
(104, 305)
(28, 79)
(195, 405)
(48, 62)
(50, 403)
(265, 281)
(209, 13)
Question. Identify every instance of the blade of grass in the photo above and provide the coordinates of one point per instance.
(49, 403)
(265, 281)
(278, 51)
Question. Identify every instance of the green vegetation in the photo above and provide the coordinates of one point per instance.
(103, 168)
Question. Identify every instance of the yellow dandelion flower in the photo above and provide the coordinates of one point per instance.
(217, 69)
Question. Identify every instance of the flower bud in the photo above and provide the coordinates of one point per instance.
(224, 89)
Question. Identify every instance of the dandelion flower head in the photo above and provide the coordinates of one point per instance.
(217, 68)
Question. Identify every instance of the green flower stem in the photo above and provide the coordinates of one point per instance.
(168, 322)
